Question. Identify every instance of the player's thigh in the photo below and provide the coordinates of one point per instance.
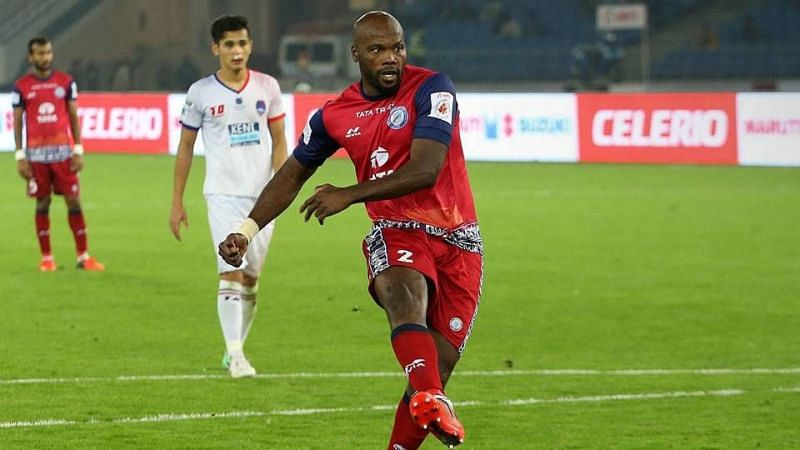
(225, 214)
(41, 182)
(455, 308)
(390, 247)
(65, 181)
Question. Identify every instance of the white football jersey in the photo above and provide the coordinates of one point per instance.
(235, 131)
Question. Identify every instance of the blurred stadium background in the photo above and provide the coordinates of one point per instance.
(531, 45)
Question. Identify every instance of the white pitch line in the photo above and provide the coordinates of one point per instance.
(398, 374)
(176, 417)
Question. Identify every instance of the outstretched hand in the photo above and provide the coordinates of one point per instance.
(233, 248)
(326, 201)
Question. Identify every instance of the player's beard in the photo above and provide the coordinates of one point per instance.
(373, 78)
(43, 66)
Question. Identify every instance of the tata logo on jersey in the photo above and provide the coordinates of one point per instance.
(122, 123)
(660, 128)
(377, 159)
(47, 113)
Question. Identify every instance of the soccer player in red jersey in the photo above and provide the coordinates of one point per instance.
(50, 161)
(400, 127)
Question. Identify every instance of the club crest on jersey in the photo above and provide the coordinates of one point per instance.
(398, 117)
(261, 107)
(60, 92)
(456, 324)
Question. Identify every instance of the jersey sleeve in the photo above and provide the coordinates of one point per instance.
(16, 98)
(72, 90)
(436, 105)
(192, 112)
(315, 145)
(276, 109)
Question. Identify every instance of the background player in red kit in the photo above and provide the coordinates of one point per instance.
(399, 126)
(51, 160)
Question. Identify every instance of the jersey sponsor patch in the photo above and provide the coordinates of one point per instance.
(442, 106)
(242, 134)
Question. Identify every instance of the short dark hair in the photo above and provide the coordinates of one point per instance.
(38, 40)
(223, 24)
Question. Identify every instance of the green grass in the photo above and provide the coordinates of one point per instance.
(598, 267)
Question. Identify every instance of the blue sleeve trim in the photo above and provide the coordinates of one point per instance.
(21, 102)
(434, 134)
(189, 126)
(431, 127)
(315, 144)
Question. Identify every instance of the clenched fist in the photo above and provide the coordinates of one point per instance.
(233, 248)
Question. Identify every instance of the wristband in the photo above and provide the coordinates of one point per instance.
(77, 149)
(19, 155)
(249, 228)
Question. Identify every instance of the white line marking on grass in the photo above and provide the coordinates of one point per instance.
(37, 423)
(398, 374)
(175, 417)
(791, 389)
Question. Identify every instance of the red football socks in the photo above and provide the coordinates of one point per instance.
(405, 432)
(78, 230)
(43, 233)
(416, 352)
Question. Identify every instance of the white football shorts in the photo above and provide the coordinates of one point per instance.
(225, 214)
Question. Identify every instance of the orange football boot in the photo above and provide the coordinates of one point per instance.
(432, 411)
(90, 264)
(47, 264)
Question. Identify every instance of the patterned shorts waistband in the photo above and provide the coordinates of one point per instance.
(466, 237)
(49, 154)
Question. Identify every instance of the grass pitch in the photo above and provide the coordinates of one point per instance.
(624, 307)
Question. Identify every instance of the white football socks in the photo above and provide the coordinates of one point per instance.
(229, 309)
(249, 308)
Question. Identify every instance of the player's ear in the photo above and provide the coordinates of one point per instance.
(215, 48)
(354, 53)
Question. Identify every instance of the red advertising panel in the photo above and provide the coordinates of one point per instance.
(305, 105)
(124, 123)
(658, 128)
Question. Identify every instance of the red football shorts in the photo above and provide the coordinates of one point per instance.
(53, 177)
(455, 273)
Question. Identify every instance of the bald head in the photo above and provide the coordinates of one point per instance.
(380, 51)
(375, 22)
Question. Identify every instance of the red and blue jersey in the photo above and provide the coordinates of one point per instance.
(376, 133)
(47, 124)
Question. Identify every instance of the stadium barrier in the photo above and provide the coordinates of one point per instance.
(653, 128)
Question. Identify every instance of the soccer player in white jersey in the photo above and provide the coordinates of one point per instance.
(241, 117)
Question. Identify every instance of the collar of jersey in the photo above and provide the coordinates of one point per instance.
(246, 81)
(52, 72)
(372, 98)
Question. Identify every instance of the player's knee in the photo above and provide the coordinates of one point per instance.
(73, 203)
(43, 205)
(250, 281)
